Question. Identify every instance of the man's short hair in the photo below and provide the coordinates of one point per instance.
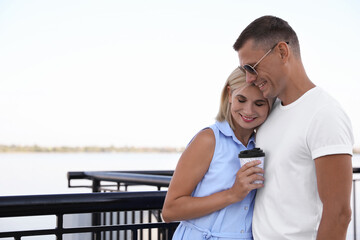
(267, 31)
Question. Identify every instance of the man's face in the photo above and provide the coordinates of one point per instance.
(268, 77)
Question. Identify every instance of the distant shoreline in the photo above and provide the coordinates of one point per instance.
(96, 149)
(86, 149)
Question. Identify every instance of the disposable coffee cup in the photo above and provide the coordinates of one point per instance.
(252, 155)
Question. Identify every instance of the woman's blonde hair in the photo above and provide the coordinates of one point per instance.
(237, 79)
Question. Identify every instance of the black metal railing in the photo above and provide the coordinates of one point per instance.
(115, 212)
(117, 181)
(60, 205)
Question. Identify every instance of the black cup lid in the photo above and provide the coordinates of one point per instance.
(255, 152)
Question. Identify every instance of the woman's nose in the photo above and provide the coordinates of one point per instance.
(248, 109)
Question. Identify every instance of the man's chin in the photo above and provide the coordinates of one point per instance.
(265, 94)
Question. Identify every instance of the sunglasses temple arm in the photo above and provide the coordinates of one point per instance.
(262, 58)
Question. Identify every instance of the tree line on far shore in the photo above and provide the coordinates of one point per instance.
(97, 149)
(86, 149)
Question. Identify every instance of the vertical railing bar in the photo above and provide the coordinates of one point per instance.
(111, 223)
(98, 235)
(149, 219)
(133, 221)
(171, 232)
(141, 221)
(125, 222)
(134, 234)
(354, 195)
(59, 226)
(103, 216)
(118, 223)
(96, 217)
(159, 229)
(125, 213)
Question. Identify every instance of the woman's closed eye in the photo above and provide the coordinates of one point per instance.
(260, 103)
(241, 99)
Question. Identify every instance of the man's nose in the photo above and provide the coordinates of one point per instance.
(250, 78)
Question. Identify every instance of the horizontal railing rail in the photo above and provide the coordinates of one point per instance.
(11, 206)
(122, 178)
(59, 205)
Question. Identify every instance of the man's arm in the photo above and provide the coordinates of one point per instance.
(334, 180)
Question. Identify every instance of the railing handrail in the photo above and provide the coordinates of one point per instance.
(33, 205)
(82, 175)
(131, 178)
(149, 178)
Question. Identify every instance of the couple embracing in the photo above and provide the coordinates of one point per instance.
(305, 186)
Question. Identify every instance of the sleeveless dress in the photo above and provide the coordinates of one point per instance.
(234, 221)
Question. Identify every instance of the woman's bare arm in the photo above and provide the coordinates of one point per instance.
(192, 166)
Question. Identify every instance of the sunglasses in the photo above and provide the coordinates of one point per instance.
(251, 69)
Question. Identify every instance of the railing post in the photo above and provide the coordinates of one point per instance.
(96, 217)
(171, 231)
(354, 194)
(96, 186)
(134, 234)
(59, 226)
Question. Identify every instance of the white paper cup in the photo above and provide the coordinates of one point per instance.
(252, 155)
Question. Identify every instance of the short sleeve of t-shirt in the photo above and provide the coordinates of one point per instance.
(330, 132)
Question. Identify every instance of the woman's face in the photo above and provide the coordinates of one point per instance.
(248, 107)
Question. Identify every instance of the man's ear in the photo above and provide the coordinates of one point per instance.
(284, 50)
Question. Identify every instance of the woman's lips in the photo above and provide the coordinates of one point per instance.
(247, 119)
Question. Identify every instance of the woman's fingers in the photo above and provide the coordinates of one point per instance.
(250, 168)
(250, 165)
(255, 177)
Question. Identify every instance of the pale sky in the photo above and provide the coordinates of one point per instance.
(150, 73)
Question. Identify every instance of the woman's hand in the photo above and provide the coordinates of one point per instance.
(244, 181)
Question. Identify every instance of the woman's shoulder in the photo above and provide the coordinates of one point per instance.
(205, 137)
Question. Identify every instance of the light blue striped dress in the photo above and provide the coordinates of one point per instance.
(234, 221)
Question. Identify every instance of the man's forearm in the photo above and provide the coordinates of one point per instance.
(334, 223)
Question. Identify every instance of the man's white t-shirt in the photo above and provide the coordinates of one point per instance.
(288, 206)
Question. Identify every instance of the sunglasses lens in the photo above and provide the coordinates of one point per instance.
(249, 69)
(241, 69)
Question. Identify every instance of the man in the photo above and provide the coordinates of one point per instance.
(307, 140)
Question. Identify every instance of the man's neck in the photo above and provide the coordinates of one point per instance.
(297, 85)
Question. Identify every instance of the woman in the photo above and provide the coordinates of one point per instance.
(209, 193)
